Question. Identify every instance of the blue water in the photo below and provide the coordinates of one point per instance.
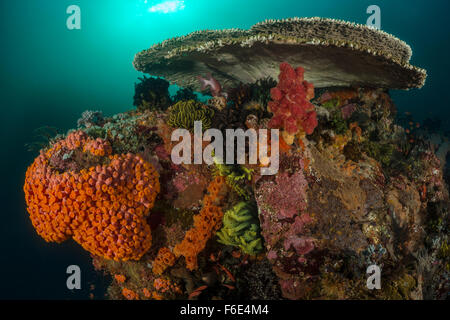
(49, 75)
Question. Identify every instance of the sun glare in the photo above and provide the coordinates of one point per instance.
(168, 6)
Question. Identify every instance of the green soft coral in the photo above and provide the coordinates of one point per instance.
(241, 229)
(236, 176)
(184, 113)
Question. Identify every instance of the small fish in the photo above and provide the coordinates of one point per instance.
(229, 274)
(325, 97)
(228, 286)
(201, 288)
(215, 87)
(194, 294)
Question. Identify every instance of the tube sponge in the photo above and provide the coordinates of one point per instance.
(241, 228)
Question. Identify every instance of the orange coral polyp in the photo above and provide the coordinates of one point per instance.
(120, 278)
(130, 294)
(98, 147)
(93, 205)
(164, 260)
(165, 286)
(208, 221)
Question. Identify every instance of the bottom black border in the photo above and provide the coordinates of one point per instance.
(168, 310)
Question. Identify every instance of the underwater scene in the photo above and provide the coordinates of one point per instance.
(233, 150)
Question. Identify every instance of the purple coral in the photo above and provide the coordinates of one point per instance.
(299, 223)
(282, 203)
(289, 195)
(184, 179)
(301, 245)
(348, 110)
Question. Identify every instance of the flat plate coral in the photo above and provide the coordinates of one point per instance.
(332, 52)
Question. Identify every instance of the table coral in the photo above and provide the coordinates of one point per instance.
(102, 207)
(335, 53)
(290, 104)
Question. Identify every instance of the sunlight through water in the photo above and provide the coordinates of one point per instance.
(167, 6)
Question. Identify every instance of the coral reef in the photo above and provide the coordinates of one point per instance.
(282, 202)
(288, 194)
(357, 185)
(260, 282)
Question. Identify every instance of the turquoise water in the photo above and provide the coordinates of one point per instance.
(49, 75)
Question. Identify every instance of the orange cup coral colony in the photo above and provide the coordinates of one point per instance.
(164, 259)
(102, 207)
(206, 223)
